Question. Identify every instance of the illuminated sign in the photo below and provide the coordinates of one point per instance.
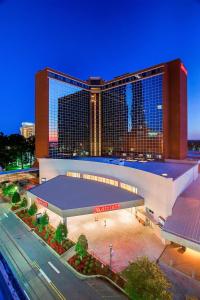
(183, 69)
(99, 209)
(41, 202)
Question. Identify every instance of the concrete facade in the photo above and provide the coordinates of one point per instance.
(159, 200)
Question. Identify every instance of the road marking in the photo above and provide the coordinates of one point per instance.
(5, 215)
(45, 276)
(60, 295)
(27, 295)
(53, 267)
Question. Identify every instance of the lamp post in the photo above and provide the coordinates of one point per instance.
(110, 246)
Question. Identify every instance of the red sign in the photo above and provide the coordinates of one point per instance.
(42, 202)
(183, 69)
(99, 209)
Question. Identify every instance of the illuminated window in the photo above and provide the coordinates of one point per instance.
(73, 174)
(128, 187)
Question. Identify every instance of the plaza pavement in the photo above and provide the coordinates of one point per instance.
(128, 237)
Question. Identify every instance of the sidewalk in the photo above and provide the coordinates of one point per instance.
(187, 262)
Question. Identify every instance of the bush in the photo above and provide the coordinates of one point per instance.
(32, 209)
(24, 202)
(47, 234)
(34, 222)
(9, 190)
(81, 246)
(91, 265)
(77, 262)
(16, 198)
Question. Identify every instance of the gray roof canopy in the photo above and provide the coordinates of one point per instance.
(68, 193)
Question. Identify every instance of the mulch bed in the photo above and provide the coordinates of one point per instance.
(91, 266)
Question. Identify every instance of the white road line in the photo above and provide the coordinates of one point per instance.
(5, 215)
(45, 276)
(53, 267)
(27, 295)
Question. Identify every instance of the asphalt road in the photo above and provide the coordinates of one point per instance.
(32, 257)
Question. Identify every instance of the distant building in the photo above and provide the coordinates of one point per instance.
(27, 129)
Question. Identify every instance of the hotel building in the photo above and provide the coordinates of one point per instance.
(141, 114)
(141, 117)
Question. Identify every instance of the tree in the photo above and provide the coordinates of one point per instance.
(60, 233)
(9, 190)
(81, 246)
(145, 281)
(32, 209)
(18, 147)
(16, 198)
(24, 202)
(4, 150)
(43, 221)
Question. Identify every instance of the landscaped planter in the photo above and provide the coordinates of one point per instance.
(15, 207)
(47, 237)
(91, 266)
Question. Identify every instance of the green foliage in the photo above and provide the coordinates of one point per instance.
(24, 202)
(16, 198)
(77, 262)
(47, 233)
(145, 281)
(44, 221)
(16, 151)
(32, 209)
(60, 233)
(81, 246)
(34, 222)
(9, 190)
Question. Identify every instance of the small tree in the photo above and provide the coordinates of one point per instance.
(24, 202)
(60, 233)
(44, 221)
(81, 246)
(9, 190)
(145, 281)
(16, 198)
(32, 209)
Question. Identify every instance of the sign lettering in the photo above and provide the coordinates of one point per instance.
(103, 208)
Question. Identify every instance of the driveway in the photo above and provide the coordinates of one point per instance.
(120, 228)
(28, 251)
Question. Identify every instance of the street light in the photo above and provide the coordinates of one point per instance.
(110, 246)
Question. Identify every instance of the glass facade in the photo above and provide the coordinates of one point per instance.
(130, 110)
(68, 120)
(132, 119)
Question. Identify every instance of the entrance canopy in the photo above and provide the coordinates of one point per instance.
(69, 196)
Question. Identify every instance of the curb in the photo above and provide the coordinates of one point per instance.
(79, 275)
(36, 235)
(84, 277)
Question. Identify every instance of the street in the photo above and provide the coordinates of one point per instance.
(40, 272)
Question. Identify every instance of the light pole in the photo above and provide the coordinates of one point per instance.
(110, 255)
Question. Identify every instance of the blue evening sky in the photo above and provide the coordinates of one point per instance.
(88, 37)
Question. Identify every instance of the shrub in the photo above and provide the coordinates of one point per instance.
(60, 233)
(47, 234)
(81, 246)
(34, 222)
(77, 262)
(16, 198)
(32, 209)
(24, 202)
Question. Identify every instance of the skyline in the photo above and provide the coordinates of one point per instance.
(85, 41)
